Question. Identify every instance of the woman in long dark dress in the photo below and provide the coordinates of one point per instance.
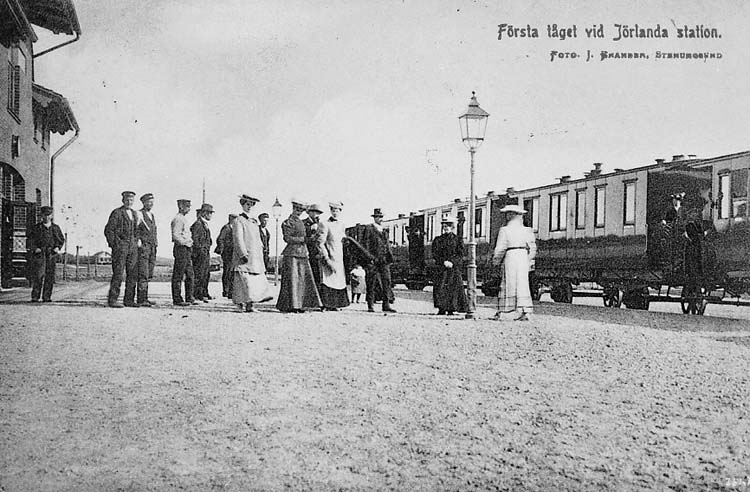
(448, 288)
(298, 290)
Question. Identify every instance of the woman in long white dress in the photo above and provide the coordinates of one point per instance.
(515, 250)
(249, 284)
(331, 234)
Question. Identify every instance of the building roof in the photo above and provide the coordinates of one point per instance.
(60, 118)
(14, 25)
(59, 16)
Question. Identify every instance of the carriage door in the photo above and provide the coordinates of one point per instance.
(416, 245)
(18, 219)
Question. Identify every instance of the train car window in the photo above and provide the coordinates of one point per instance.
(531, 219)
(478, 223)
(724, 196)
(580, 209)
(739, 193)
(430, 227)
(460, 224)
(629, 203)
(558, 212)
(599, 198)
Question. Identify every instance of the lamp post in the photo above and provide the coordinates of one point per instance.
(473, 124)
(276, 212)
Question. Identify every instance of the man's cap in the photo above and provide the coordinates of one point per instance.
(46, 210)
(448, 220)
(248, 198)
(147, 196)
(338, 205)
(128, 194)
(315, 208)
(263, 215)
(377, 213)
(299, 203)
(207, 207)
(514, 209)
(183, 201)
(232, 216)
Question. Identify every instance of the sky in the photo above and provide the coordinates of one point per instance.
(357, 101)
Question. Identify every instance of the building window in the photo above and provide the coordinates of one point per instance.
(724, 196)
(430, 227)
(531, 218)
(478, 223)
(580, 209)
(739, 192)
(599, 197)
(558, 210)
(15, 146)
(629, 203)
(14, 82)
(460, 220)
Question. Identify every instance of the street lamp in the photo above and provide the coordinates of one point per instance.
(276, 212)
(473, 124)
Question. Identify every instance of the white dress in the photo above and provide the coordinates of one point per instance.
(516, 246)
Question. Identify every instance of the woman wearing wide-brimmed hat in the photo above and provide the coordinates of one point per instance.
(331, 235)
(298, 291)
(515, 250)
(249, 284)
(448, 287)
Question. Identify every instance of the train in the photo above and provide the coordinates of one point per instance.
(608, 229)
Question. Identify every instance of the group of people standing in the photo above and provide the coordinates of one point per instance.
(313, 272)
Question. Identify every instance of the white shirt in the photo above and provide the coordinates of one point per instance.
(181, 231)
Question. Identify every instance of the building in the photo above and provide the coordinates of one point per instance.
(29, 114)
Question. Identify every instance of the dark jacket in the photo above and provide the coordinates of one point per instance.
(377, 245)
(293, 231)
(201, 236)
(311, 237)
(146, 230)
(448, 247)
(225, 242)
(45, 239)
(265, 237)
(120, 227)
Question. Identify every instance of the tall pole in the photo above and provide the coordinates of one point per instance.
(77, 249)
(204, 191)
(276, 268)
(65, 258)
(471, 274)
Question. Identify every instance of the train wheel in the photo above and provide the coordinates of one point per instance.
(611, 297)
(637, 298)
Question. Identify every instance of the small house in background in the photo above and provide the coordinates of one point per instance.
(102, 258)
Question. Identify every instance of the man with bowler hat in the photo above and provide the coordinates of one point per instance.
(45, 242)
(202, 251)
(265, 238)
(225, 248)
(375, 241)
(121, 237)
(146, 234)
(183, 258)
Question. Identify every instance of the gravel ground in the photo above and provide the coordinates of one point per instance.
(206, 398)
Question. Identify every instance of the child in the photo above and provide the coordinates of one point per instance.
(358, 282)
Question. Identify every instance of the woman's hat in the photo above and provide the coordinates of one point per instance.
(448, 220)
(514, 209)
(248, 198)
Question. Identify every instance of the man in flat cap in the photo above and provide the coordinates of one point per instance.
(375, 241)
(45, 242)
(202, 251)
(225, 248)
(265, 237)
(146, 234)
(312, 223)
(183, 258)
(120, 232)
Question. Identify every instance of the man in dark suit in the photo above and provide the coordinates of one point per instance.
(45, 242)
(120, 234)
(202, 251)
(225, 248)
(265, 238)
(375, 241)
(145, 232)
(311, 240)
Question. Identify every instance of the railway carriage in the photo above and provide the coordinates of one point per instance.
(608, 228)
